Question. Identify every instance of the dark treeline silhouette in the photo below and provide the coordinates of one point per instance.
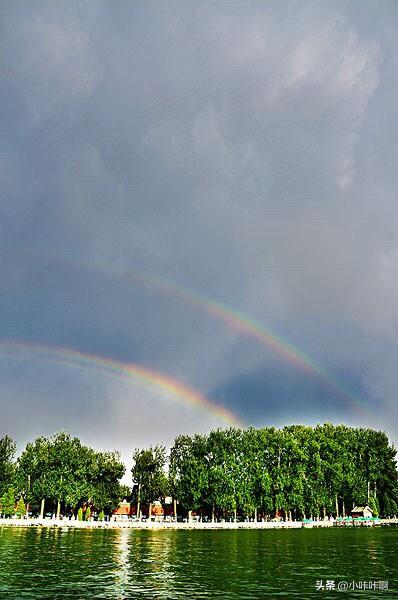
(294, 472)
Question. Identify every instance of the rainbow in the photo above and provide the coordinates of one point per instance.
(235, 320)
(117, 370)
(252, 328)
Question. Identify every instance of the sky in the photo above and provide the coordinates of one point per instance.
(203, 192)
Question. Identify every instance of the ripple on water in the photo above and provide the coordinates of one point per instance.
(232, 565)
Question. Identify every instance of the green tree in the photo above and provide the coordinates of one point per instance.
(8, 502)
(149, 475)
(20, 509)
(390, 507)
(260, 444)
(106, 471)
(7, 452)
(32, 473)
(224, 473)
(188, 473)
(381, 470)
(64, 474)
(374, 505)
(331, 453)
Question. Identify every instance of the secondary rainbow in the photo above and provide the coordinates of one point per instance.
(250, 327)
(117, 370)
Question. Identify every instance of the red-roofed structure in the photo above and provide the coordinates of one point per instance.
(125, 509)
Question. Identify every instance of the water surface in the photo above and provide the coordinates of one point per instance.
(236, 564)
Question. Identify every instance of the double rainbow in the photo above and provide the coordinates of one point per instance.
(234, 319)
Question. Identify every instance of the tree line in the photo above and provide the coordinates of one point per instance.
(294, 472)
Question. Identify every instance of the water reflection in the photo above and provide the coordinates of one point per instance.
(122, 565)
(50, 563)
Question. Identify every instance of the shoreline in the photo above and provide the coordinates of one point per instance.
(66, 524)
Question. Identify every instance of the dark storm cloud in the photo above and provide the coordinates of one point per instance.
(276, 395)
(245, 150)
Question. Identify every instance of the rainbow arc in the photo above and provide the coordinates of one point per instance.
(122, 371)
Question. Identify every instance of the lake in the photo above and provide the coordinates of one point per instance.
(238, 564)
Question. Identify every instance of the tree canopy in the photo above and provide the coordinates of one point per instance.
(149, 474)
(296, 472)
(62, 470)
(7, 452)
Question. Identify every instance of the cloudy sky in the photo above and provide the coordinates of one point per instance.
(243, 153)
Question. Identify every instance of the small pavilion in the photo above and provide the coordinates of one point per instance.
(361, 511)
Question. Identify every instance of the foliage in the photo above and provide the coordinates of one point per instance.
(188, 471)
(62, 469)
(8, 502)
(105, 489)
(7, 451)
(297, 471)
(20, 509)
(374, 505)
(80, 514)
(149, 474)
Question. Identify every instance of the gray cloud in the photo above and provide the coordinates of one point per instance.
(245, 151)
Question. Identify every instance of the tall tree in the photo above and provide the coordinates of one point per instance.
(106, 490)
(7, 452)
(149, 475)
(188, 473)
(7, 502)
(32, 473)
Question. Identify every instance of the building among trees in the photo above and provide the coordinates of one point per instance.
(361, 511)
